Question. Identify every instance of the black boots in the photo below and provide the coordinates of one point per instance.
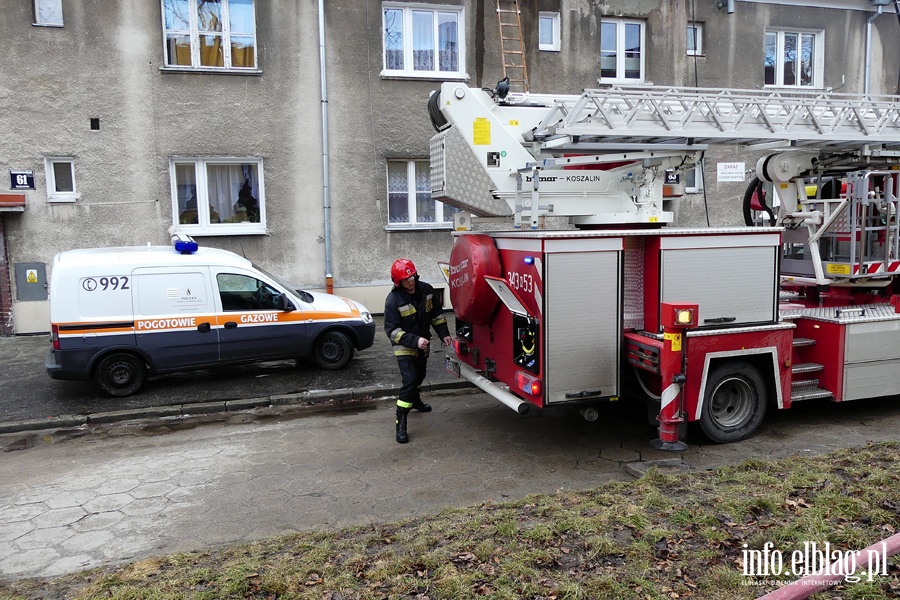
(402, 436)
(403, 413)
(421, 406)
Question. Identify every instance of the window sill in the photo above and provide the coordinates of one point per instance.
(52, 25)
(210, 71)
(623, 82)
(419, 227)
(425, 76)
(794, 88)
(219, 230)
(62, 199)
(549, 49)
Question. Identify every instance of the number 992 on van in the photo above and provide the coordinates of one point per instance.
(118, 315)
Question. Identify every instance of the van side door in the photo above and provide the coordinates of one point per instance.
(175, 317)
(252, 326)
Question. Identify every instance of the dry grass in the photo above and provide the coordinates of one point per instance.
(658, 537)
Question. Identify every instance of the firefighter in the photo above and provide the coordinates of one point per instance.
(410, 310)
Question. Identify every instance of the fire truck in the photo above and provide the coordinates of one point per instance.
(571, 288)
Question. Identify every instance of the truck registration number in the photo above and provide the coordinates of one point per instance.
(451, 365)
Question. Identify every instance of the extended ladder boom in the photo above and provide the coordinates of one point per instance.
(773, 119)
(603, 157)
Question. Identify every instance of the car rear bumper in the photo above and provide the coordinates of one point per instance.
(73, 366)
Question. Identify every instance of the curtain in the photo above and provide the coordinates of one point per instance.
(398, 192)
(226, 198)
(211, 51)
(243, 52)
(423, 41)
(447, 42)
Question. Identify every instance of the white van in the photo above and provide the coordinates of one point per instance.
(119, 314)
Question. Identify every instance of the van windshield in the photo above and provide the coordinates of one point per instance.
(305, 296)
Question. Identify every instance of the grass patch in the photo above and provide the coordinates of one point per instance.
(659, 537)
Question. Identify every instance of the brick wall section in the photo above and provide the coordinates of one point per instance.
(6, 316)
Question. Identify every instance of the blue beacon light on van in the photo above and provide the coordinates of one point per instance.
(529, 260)
(184, 244)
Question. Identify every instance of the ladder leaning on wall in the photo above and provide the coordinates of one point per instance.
(512, 47)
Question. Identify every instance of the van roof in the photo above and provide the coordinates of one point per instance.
(148, 256)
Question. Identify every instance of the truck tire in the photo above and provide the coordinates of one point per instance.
(332, 351)
(120, 374)
(734, 404)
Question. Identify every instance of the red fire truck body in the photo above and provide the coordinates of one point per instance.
(705, 324)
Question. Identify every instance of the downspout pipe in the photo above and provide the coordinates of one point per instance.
(326, 189)
(869, 47)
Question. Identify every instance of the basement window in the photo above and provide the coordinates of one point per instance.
(61, 179)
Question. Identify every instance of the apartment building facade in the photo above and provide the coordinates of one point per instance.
(295, 132)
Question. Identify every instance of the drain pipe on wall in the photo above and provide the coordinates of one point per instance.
(869, 47)
(326, 190)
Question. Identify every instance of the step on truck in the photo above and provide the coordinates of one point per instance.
(570, 287)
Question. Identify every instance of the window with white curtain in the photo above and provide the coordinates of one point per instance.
(422, 40)
(60, 179)
(548, 31)
(409, 197)
(795, 59)
(209, 34)
(621, 51)
(48, 13)
(218, 196)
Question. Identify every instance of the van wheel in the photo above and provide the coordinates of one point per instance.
(120, 374)
(332, 351)
(735, 403)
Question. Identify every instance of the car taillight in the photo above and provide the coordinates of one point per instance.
(528, 383)
(54, 336)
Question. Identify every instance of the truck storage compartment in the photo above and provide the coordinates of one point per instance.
(733, 278)
(583, 316)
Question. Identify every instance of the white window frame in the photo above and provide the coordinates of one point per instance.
(818, 81)
(203, 226)
(48, 13)
(412, 212)
(697, 50)
(698, 180)
(407, 70)
(52, 194)
(620, 51)
(554, 46)
(194, 34)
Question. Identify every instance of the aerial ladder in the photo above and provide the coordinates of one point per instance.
(604, 157)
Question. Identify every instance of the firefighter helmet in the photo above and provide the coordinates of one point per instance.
(403, 268)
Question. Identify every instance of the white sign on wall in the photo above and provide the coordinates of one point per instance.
(730, 171)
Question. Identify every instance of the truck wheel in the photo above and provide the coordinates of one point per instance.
(735, 403)
(120, 374)
(332, 351)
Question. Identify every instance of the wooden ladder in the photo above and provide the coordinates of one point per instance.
(512, 48)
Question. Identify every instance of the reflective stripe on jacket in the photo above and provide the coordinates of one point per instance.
(408, 317)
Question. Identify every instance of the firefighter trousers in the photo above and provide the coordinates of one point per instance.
(412, 374)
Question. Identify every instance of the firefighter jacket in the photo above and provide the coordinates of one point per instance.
(407, 317)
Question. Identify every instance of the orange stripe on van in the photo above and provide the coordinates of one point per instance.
(193, 321)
